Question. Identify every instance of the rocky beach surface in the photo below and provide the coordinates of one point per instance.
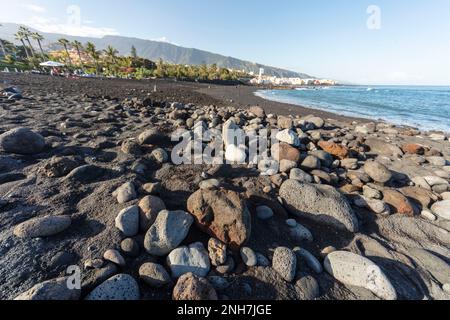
(344, 209)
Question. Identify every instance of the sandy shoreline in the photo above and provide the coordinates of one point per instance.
(189, 92)
(244, 96)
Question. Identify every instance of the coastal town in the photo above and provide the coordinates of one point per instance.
(262, 79)
(293, 82)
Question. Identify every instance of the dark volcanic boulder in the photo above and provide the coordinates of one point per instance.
(22, 141)
(85, 174)
(321, 203)
(222, 214)
(153, 136)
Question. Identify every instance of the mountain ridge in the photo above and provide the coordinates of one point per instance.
(154, 50)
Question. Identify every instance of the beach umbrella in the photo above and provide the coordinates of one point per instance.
(51, 64)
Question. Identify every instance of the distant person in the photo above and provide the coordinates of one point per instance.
(54, 72)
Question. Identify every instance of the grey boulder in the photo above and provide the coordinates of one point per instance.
(168, 231)
(119, 287)
(354, 270)
(127, 221)
(22, 141)
(377, 171)
(55, 289)
(320, 203)
(285, 263)
(442, 209)
(42, 227)
(154, 275)
(193, 258)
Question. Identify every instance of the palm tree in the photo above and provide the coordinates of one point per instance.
(26, 34)
(93, 53)
(65, 43)
(1, 45)
(134, 54)
(161, 70)
(38, 37)
(10, 59)
(10, 48)
(19, 36)
(111, 53)
(78, 46)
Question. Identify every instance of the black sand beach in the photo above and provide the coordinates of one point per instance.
(86, 171)
(184, 92)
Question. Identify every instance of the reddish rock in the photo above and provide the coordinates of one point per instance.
(334, 149)
(283, 151)
(222, 214)
(422, 196)
(413, 148)
(399, 202)
(350, 188)
(193, 288)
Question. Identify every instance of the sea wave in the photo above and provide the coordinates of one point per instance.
(427, 108)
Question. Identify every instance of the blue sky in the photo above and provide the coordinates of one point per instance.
(326, 38)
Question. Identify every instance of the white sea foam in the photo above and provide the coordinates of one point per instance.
(427, 108)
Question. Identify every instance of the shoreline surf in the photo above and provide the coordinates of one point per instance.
(373, 103)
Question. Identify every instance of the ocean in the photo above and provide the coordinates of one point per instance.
(427, 108)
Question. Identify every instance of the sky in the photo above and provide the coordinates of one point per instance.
(356, 41)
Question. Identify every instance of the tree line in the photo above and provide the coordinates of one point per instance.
(108, 62)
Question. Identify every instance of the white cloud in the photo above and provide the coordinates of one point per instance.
(38, 17)
(74, 30)
(164, 39)
(54, 25)
(34, 8)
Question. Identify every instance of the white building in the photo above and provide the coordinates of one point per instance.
(276, 81)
